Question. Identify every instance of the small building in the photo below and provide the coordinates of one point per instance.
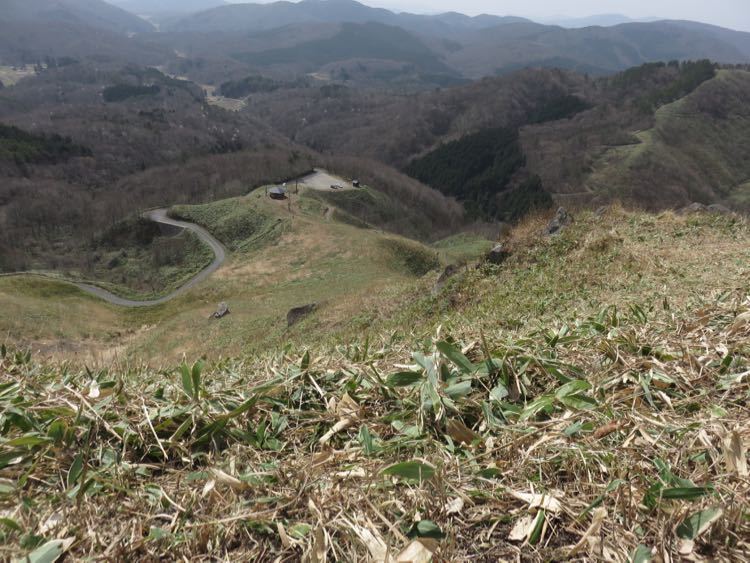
(355, 183)
(277, 192)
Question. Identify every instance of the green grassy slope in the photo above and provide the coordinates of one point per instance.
(698, 150)
(587, 397)
(281, 257)
(463, 247)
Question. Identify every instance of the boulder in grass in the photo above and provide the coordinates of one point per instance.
(561, 219)
(221, 311)
(719, 208)
(701, 208)
(298, 313)
(692, 208)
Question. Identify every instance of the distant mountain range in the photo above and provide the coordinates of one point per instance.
(88, 13)
(602, 20)
(167, 6)
(340, 38)
(262, 17)
(296, 34)
(597, 50)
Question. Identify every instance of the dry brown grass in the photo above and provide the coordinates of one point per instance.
(654, 450)
(616, 435)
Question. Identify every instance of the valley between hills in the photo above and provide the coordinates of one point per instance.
(316, 281)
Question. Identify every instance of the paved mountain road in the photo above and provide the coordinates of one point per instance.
(159, 216)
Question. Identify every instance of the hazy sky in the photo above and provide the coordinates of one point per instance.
(734, 14)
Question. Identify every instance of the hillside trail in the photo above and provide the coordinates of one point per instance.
(157, 216)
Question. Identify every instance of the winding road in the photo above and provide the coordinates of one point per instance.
(158, 216)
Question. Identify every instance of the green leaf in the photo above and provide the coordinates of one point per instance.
(367, 441)
(456, 356)
(299, 531)
(408, 430)
(195, 375)
(47, 553)
(458, 390)
(536, 533)
(641, 554)
(76, 468)
(156, 534)
(305, 362)
(181, 429)
(404, 378)
(573, 429)
(695, 525)
(10, 524)
(27, 442)
(412, 470)
(572, 388)
(685, 493)
(535, 407)
(578, 401)
(499, 393)
(244, 407)
(7, 488)
(187, 380)
(426, 529)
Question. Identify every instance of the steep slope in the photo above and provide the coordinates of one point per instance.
(92, 13)
(698, 150)
(586, 400)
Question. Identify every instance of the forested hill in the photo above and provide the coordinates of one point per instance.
(95, 14)
(571, 129)
(471, 47)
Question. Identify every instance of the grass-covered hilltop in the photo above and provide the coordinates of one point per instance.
(316, 281)
(583, 397)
